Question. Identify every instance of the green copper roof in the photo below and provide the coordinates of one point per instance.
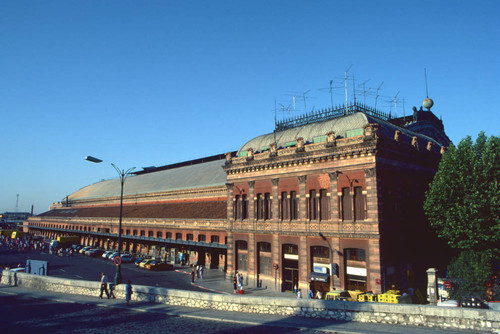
(343, 127)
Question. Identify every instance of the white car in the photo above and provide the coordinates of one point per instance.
(107, 253)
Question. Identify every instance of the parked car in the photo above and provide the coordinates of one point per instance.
(138, 261)
(158, 265)
(127, 258)
(95, 252)
(112, 256)
(84, 249)
(107, 253)
(144, 262)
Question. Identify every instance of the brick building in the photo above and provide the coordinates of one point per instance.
(332, 199)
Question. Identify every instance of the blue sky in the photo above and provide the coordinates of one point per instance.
(143, 83)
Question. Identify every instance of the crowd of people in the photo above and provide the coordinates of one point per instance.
(22, 244)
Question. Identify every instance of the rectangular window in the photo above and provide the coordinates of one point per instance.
(134, 232)
(244, 207)
(324, 205)
(260, 207)
(127, 232)
(178, 236)
(242, 260)
(346, 204)
(159, 234)
(312, 205)
(214, 239)
(189, 237)
(359, 204)
(267, 206)
(284, 206)
(237, 207)
(202, 238)
(168, 235)
(294, 206)
(150, 234)
(143, 233)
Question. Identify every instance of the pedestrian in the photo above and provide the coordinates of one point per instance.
(104, 285)
(240, 281)
(310, 294)
(197, 271)
(235, 282)
(299, 294)
(193, 275)
(201, 271)
(128, 292)
(319, 295)
(111, 290)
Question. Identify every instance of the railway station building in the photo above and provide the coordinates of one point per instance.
(331, 199)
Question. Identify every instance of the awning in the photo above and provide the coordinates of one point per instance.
(319, 277)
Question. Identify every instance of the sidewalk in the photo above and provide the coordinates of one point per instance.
(215, 281)
(233, 317)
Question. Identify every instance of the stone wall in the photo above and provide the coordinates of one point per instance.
(416, 315)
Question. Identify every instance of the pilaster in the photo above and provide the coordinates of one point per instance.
(334, 198)
(302, 199)
(230, 201)
(275, 201)
(251, 200)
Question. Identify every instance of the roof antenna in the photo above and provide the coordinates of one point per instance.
(396, 105)
(364, 91)
(304, 96)
(376, 96)
(331, 94)
(345, 85)
(274, 132)
(354, 89)
(428, 103)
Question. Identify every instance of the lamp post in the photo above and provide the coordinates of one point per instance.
(331, 260)
(122, 175)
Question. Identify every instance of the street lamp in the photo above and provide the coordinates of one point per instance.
(331, 260)
(123, 175)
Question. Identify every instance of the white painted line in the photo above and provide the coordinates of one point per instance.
(78, 276)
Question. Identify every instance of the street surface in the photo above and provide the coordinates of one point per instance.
(34, 311)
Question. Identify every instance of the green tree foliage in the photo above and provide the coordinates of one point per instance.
(473, 270)
(463, 201)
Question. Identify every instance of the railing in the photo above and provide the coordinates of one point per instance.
(326, 114)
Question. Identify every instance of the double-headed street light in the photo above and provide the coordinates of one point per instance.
(123, 175)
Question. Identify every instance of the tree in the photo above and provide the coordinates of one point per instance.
(463, 201)
(463, 206)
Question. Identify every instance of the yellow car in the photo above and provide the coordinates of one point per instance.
(144, 262)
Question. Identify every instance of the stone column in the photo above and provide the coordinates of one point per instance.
(334, 198)
(372, 198)
(374, 279)
(304, 266)
(275, 258)
(230, 200)
(302, 199)
(251, 200)
(252, 267)
(230, 254)
(275, 200)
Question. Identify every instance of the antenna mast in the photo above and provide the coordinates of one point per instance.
(376, 96)
(17, 203)
(331, 94)
(396, 105)
(345, 85)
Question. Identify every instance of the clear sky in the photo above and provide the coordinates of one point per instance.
(149, 83)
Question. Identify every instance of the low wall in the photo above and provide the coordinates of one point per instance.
(415, 315)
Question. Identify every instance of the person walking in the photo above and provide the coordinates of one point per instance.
(193, 275)
(235, 282)
(111, 290)
(201, 271)
(104, 285)
(128, 292)
(299, 294)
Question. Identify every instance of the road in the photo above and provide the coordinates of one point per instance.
(86, 268)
